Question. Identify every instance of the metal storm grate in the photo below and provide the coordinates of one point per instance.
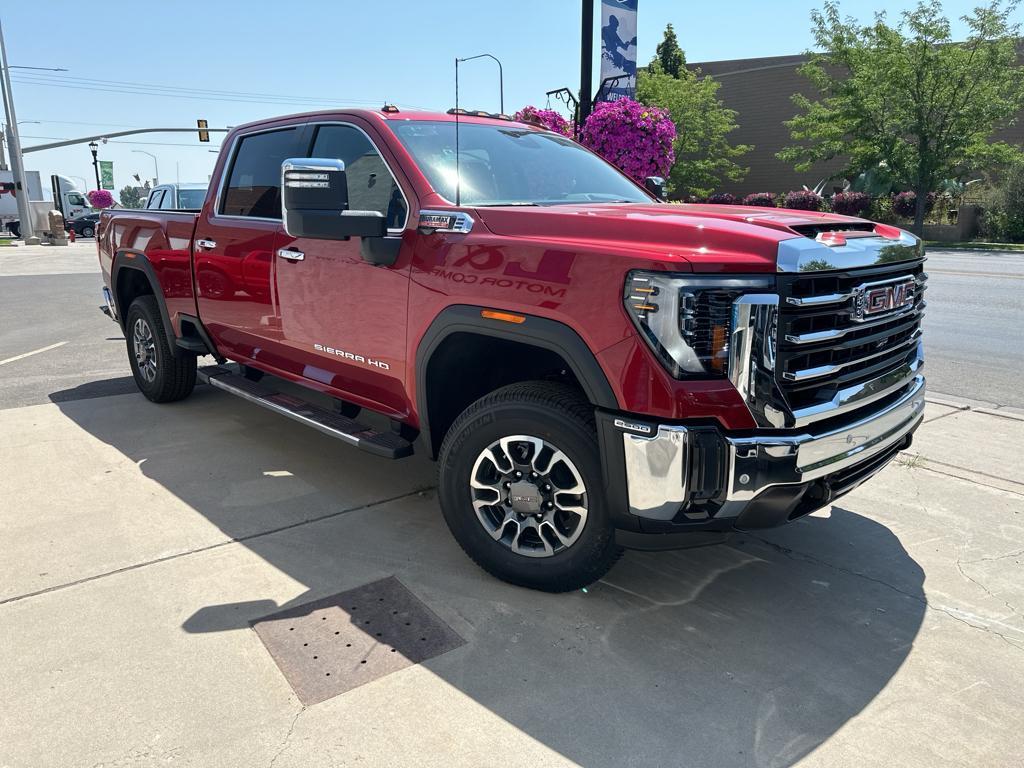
(338, 643)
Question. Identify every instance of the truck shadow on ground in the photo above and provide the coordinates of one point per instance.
(755, 652)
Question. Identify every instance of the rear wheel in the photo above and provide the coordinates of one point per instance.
(520, 480)
(88, 231)
(161, 373)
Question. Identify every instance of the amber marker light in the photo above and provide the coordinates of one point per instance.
(505, 317)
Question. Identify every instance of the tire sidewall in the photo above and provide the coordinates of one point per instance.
(470, 437)
(88, 232)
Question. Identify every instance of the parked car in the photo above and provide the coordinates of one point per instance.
(177, 197)
(591, 367)
(83, 226)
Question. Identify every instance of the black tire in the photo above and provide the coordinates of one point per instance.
(88, 231)
(173, 374)
(560, 416)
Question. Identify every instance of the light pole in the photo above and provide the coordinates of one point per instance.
(501, 76)
(94, 148)
(3, 134)
(156, 168)
(14, 142)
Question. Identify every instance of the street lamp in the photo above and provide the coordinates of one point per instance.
(501, 76)
(156, 168)
(94, 148)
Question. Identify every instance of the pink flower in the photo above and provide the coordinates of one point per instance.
(547, 118)
(100, 198)
(635, 138)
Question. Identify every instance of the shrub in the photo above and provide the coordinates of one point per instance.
(100, 198)
(722, 198)
(547, 118)
(1003, 221)
(803, 200)
(761, 199)
(851, 203)
(905, 204)
(635, 138)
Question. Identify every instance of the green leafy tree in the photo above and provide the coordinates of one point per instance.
(669, 55)
(130, 197)
(704, 156)
(908, 96)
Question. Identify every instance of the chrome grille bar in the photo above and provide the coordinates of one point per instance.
(829, 370)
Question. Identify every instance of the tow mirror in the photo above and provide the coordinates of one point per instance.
(656, 186)
(314, 202)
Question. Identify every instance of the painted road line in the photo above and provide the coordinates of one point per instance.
(33, 352)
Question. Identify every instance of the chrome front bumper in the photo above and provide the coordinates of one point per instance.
(659, 464)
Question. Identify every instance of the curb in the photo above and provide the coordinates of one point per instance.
(978, 406)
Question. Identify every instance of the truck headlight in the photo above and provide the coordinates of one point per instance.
(687, 319)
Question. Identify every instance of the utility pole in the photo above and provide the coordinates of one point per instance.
(586, 60)
(14, 144)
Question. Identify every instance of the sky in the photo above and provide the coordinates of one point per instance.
(127, 58)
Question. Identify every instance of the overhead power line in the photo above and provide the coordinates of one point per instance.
(183, 92)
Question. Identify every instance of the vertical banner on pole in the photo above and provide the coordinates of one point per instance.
(618, 49)
(106, 174)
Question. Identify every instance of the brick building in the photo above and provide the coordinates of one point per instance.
(760, 90)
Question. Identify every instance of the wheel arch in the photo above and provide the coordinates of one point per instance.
(131, 276)
(553, 341)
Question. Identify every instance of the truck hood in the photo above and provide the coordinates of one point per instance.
(708, 237)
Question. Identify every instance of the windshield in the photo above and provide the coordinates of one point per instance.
(191, 198)
(509, 165)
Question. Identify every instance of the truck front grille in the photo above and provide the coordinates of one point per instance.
(825, 345)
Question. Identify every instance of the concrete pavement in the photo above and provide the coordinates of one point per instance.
(139, 541)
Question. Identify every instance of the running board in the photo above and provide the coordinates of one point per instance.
(386, 444)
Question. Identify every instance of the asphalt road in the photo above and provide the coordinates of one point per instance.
(974, 342)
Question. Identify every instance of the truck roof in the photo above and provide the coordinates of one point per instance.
(467, 116)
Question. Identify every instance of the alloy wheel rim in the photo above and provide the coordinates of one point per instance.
(529, 496)
(145, 350)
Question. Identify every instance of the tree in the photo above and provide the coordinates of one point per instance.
(704, 156)
(131, 197)
(669, 55)
(908, 96)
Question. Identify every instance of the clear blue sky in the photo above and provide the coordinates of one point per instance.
(329, 53)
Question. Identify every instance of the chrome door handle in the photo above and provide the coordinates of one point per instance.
(290, 254)
(206, 245)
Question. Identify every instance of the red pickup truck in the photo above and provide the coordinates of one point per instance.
(592, 368)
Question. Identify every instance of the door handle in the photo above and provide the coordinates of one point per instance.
(290, 254)
(206, 245)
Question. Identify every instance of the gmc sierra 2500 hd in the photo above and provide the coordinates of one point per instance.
(592, 368)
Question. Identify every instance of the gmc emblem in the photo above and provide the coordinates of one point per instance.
(873, 299)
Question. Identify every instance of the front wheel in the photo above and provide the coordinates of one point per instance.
(88, 231)
(162, 374)
(520, 488)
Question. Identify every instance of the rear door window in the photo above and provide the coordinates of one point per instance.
(155, 198)
(254, 183)
(371, 187)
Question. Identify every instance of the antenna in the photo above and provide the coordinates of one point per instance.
(458, 176)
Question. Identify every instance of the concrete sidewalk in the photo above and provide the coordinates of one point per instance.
(139, 541)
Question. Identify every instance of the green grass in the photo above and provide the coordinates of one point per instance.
(5, 241)
(974, 246)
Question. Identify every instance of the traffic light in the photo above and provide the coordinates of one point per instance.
(204, 135)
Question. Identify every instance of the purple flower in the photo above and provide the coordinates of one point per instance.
(100, 198)
(760, 199)
(548, 118)
(851, 203)
(635, 138)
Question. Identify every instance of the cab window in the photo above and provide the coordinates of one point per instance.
(155, 198)
(371, 187)
(254, 183)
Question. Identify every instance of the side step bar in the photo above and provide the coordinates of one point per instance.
(388, 445)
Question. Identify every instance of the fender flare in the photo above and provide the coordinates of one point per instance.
(535, 331)
(127, 258)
